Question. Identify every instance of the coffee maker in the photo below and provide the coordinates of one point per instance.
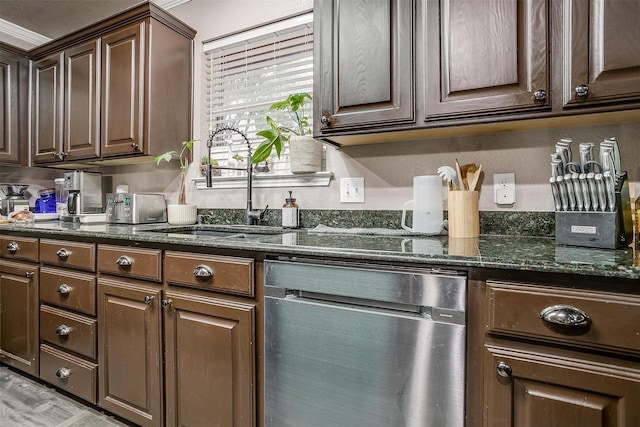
(85, 192)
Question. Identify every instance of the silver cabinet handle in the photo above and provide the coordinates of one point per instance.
(63, 253)
(29, 274)
(582, 91)
(64, 289)
(203, 271)
(565, 315)
(504, 370)
(124, 261)
(540, 95)
(13, 247)
(63, 330)
(63, 373)
(148, 299)
(166, 303)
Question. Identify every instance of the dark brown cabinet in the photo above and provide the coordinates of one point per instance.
(427, 64)
(364, 63)
(14, 82)
(19, 303)
(127, 92)
(601, 40)
(485, 58)
(558, 356)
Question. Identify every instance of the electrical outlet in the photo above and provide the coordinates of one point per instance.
(504, 188)
(351, 190)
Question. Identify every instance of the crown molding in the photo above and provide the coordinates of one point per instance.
(30, 38)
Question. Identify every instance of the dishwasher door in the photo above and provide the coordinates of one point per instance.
(338, 360)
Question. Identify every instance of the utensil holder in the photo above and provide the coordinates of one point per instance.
(464, 218)
(607, 230)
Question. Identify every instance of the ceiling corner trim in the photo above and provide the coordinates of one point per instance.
(168, 4)
(21, 33)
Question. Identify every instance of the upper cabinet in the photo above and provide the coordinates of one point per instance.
(474, 62)
(14, 83)
(364, 63)
(601, 46)
(485, 57)
(121, 88)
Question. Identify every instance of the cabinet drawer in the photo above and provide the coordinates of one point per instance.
(68, 372)
(69, 330)
(217, 273)
(515, 309)
(124, 261)
(14, 247)
(68, 254)
(68, 289)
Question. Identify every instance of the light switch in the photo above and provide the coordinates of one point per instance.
(351, 190)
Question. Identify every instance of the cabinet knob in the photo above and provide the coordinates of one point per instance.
(124, 261)
(13, 247)
(582, 91)
(63, 253)
(63, 373)
(148, 299)
(134, 146)
(324, 120)
(62, 155)
(540, 95)
(64, 289)
(203, 271)
(63, 330)
(29, 274)
(166, 303)
(565, 315)
(504, 370)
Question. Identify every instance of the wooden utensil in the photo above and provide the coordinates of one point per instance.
(475, 180)
(461, 177)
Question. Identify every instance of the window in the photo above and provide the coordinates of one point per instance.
(245, 73)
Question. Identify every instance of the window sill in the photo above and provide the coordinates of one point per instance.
(318, 179)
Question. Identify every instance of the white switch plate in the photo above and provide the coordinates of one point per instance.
(351, 190)
(504, 188)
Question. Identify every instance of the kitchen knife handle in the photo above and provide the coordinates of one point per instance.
(570, 193)
(556, 195)
(593, 191)
(577, 190)
(562, 189)
(602, 197)
(585, 191)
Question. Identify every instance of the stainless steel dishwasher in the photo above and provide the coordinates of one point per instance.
(360, 345)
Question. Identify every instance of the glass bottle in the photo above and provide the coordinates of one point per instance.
(290, 217)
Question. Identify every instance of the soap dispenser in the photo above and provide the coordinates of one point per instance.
(290, 213)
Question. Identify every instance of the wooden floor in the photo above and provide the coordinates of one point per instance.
(27, 403)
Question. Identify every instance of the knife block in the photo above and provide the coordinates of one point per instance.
(607, 230)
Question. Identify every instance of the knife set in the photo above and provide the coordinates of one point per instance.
(591, 196)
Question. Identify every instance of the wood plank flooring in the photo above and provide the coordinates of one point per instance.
(27, 403)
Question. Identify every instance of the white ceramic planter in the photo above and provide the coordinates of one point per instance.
(305, 154)
(182, 214)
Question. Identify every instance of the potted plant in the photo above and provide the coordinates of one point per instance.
(180, 213)
(305, 152)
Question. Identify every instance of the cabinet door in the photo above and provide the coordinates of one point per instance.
(536, 387)
(130, 350)
(82, 101)
(123, 91)
(19, 316)
(601, 43)
(210, 361)
(485, 57)
(364, 63)
(46, 120)
(13, 93)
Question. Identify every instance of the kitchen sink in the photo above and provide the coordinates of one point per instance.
(221, 231)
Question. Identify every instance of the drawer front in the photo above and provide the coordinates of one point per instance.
(14, 247)
(69, 330)
(613, 320)
(68, 254)
(68, 289)
(136, 263)
(216, 273)
(68, 372)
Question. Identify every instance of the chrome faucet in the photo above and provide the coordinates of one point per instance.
(251, 216)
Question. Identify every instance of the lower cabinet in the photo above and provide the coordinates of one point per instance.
(560, 356)
(19, 315)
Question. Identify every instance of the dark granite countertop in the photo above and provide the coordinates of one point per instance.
(539, 254)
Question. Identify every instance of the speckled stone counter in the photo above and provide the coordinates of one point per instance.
(539, 254)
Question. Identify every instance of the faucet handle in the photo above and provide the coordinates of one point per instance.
(264, 213)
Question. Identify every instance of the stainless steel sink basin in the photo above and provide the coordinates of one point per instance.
(221, 231)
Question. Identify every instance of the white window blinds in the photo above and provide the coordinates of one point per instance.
(247, 72)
